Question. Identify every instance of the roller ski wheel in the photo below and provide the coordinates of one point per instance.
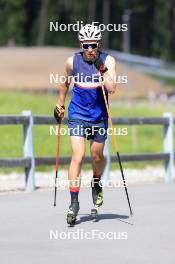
(94, 213)
(98, 201)
(72, 213)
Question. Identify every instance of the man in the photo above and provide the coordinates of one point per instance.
(87, 111)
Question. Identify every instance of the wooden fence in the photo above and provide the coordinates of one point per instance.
(29, 161)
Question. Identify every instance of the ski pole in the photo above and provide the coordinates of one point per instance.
(116, 146)
(57, 161)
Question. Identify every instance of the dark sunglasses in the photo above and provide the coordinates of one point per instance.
(92, 45)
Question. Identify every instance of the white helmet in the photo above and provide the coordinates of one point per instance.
(89, 32)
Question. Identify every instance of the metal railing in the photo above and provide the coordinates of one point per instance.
(145, 64)
(29, 161)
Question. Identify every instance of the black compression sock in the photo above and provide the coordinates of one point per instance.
(96, 183)
(74, 196)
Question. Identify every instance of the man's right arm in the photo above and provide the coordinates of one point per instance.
(64, 84)
(65, 81)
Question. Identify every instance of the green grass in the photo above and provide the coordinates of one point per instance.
(164, 80)
(139, 138)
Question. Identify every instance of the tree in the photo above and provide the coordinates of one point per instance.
(42, 22)
(106, 20)
(92, 11)
(12, 21)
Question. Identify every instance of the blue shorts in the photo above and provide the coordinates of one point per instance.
(95, 131)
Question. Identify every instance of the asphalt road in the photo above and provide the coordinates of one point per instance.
(33, 231)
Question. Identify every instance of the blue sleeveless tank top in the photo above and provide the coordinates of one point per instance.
(87, 101)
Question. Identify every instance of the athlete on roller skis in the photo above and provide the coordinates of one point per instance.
(87, 112)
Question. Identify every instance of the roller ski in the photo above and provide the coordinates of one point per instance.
(94, 213)
(97, 196)
(72, 213)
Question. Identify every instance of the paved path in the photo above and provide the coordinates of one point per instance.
(28, 221)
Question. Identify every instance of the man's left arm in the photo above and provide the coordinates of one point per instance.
(108, 71)
(110, 74)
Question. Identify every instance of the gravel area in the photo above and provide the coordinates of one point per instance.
(16, 181)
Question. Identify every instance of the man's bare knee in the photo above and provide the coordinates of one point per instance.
(97, 157)
(78, 158)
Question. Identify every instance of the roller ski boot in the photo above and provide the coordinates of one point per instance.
(72, 213)
(97, 196)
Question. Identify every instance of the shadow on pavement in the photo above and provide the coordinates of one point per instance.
(88, 218)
